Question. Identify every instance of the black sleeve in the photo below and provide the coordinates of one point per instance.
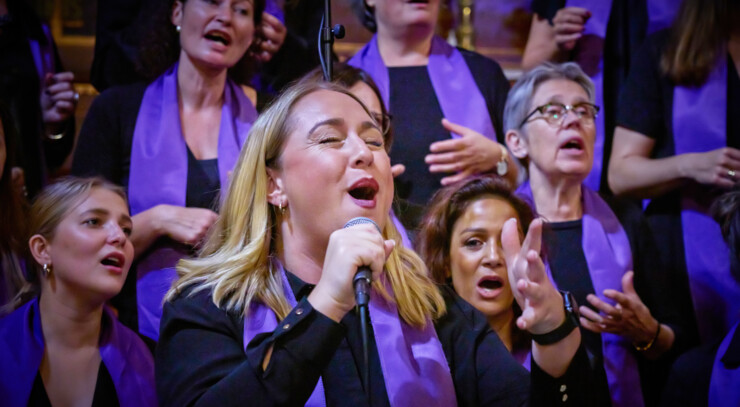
(688, 383)
(490, 79)
(104, 145)
(502, 381)
(642, 100)
(577, 387)
(547, 8)
(200, 358)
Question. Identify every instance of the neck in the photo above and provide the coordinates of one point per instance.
(199, 87)
(502, 325)
(411, 47)
(69, 322)
(557, 200)
(299, 254)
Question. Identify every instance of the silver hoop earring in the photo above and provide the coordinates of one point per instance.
(282, 208)
(47, 270)
(177, 28)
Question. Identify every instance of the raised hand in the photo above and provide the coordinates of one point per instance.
(470, 154)
(185, 225)
(272, 36)
(541, 304)
(629, 317)
(568, 25)
(717, 167)
(58, 99)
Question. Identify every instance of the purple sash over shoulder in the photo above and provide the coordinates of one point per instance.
(43, 55)
(414, 366)
(458, 95)
(127, 359)
(589, 53)
(700, 125)
(608, 256)
(159, 174)
(724, 387)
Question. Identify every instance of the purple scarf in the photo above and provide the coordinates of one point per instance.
(724, 387)
(589, 54)
(458, 95)
(159, 174)
(414, 366)
(608, 256)
(700, 125)
(127, 359)
(43, 55)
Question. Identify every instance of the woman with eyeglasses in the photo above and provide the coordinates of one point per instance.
(678, 144)
(601, 252)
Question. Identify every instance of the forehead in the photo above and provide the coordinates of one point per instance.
(101, 198)
(365, 93)
(561, 90)
(326, 104)
(489, 211)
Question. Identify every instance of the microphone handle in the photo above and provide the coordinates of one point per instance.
(361, 283)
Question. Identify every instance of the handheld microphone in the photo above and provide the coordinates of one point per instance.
(363, 278)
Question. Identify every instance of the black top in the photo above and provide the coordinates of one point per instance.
(20, 90)
(417, 118)
(646, 106)
(104, 149)
(562, 242)
(307, 344)
(625, 33)
(105, 391)
(688, 384)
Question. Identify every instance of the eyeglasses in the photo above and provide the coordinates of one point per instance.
(383, 120)
(554, 113)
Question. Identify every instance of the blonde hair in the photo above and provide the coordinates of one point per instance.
(49, 209)
(235, 262)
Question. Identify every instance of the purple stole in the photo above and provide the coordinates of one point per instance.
(272, 7)
(127, 359)
(458, 95)
(43, 55)
(608, 256)
(414, 366)
(724, 387)
(159, 173)
(589, 54)
(700, 125)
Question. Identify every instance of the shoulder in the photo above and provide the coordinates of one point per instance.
(481, 66)
(460, 319)
(122, 96)
(11, 324)
(194, 307)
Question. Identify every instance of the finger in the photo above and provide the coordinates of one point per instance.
(455, 144)
(64, 107)
(444, 158)
(533, 239)
(536, 271)
(270, 20)
(592, 315)
(628, 283)
(59, 87)
(585, 323)
(602, 306)
(510, 241)
(389, 246)
(569, 28)
(66, 95)
(63, 77)
(456, 128)
(568, 38)
(581, 12)
(269, 46)
(621, 299)
(449, 180)
(397, 170)
(446, 168)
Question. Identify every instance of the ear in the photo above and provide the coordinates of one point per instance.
(517, 144)
(39, 247)
(275, 188)
(176, 16)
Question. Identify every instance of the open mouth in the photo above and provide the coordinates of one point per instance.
(490, 283)
(418, 1)
(363, 192)
(113, 260)
(573, 144)
(218, 36)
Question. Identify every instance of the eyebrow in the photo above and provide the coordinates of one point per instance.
(105, 212)
(328, 122)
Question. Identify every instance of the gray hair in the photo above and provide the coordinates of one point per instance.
(520, 96)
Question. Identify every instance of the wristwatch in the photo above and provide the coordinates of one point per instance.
(572, 321)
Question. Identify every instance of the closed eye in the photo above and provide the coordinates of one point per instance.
(473, 243)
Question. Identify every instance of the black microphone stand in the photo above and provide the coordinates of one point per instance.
(326, 40)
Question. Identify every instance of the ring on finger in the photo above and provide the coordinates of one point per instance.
(731, 173)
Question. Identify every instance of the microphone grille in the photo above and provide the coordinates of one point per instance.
(361, 220)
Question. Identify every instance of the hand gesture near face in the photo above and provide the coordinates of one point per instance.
(541, 304)
(272, 36)
(470, 154)
(629, 318)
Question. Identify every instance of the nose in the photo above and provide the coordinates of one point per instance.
(361, 155)
(225, 13)
(570, 118)
(493, 255)
(116, 235)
